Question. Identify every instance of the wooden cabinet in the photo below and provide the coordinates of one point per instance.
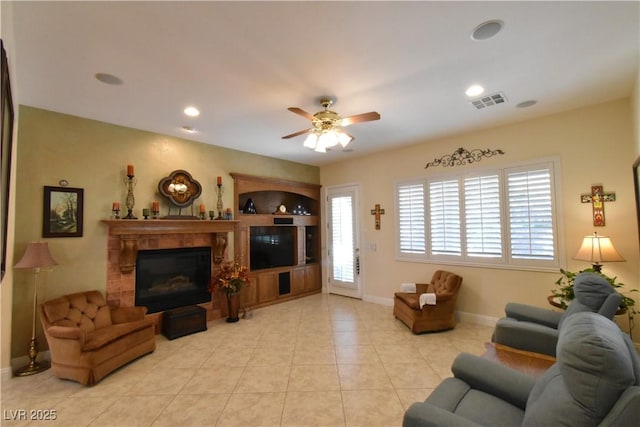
(301, 201)
(298, 281)
(312, 278)
(306, 279)
(267, 286)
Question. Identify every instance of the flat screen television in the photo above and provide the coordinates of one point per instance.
(272, 246)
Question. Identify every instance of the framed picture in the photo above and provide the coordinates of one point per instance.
(636, 184)
(62, 213)
(6, 122)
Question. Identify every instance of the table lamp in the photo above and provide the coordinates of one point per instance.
(36, 257)
(597, 249)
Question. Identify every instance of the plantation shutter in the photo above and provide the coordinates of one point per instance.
(531, 214)
(482, 216)
(444, 215)
(411, 220)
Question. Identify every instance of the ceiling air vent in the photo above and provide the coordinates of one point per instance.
(489, 100)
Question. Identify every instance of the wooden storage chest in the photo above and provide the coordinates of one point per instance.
(184, 321)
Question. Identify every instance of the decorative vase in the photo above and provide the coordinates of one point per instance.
(249, 207)
(233, 304)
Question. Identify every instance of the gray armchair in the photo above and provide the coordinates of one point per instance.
(536, 329)
(594, 382)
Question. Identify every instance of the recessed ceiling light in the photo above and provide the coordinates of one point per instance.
(474, 90)
(189, 129)
(525, 104)
(108, 79)
(486, 30)
(191, 111)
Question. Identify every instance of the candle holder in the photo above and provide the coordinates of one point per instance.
(201, 216)
(219, 190)
(212, 215)
(116, 213)
(130, 201)
(145, 213)
(156, 213)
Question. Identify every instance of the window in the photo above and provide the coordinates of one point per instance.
(501, 217)
(444, 210)
(411, 212)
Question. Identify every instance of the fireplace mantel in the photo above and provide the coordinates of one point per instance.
(119, 227)
(130, 231)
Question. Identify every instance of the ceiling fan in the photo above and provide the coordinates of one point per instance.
(327, 126)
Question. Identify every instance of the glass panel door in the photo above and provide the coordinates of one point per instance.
(344, 251)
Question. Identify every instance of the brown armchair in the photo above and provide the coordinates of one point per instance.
(429, 318)
(88, 339)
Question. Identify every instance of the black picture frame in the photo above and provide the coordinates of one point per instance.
(6, 146)
(62, 214)
(636, 185)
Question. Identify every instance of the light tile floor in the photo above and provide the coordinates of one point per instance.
(322, 360)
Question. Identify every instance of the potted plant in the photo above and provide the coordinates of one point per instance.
(564, 290)
(230, 279)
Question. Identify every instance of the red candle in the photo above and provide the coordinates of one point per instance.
(129, 170)
(202, 210)
(155, 206)
(116, 206)
(219, 180)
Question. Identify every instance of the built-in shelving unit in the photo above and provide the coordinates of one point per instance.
(302, 276)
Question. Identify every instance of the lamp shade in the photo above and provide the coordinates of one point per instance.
(597, 249)
(37, 255)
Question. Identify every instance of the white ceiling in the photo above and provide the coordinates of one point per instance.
(243, 63)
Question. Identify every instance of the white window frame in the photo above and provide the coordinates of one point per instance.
(506, 260)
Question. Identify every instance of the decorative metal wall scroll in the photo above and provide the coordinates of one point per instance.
(462, 156)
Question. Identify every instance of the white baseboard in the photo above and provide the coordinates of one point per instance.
(378, 300)
(478, 319)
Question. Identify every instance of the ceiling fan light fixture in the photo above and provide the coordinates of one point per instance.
(320, 147)
(311, 141)
(327, 127)
(328, 139)
(344, 138)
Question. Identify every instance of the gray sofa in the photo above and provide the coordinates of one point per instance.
(594, 382)
(536, 329)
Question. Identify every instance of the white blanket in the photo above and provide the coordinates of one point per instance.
(407, 287)
(427, 299)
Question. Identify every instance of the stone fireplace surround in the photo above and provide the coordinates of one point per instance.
(127, 237)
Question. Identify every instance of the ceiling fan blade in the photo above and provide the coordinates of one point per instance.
(302, 132)
(358, 118)
(301, 112)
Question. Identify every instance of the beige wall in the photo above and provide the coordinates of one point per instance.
(635, 100)
(93, 155)
(6, 288)
(635, 114)
(595, 145)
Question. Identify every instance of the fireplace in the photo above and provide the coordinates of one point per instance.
(171, 278)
